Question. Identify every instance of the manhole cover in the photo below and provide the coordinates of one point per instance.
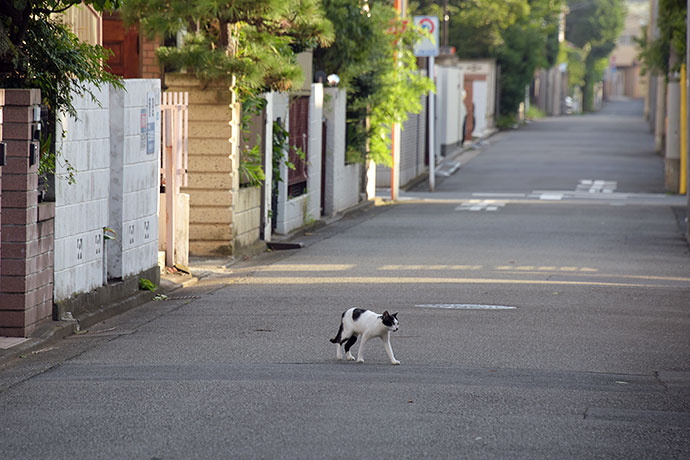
(465, 306)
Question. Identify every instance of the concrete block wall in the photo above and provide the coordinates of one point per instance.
(247, 216)
(298, 211)
(26, 273)
(116, 186)
(342, 181)
(313, 208)
(82, 207)
(412, 151)
(135, 133)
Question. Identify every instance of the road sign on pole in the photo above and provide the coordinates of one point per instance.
(426, 47)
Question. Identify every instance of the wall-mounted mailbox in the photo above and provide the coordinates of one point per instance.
(33, 153)
(36, 132)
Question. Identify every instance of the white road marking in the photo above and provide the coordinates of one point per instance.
(465, 306)
(499, 195)
(551, 196)
(481, 205)
(596, 186)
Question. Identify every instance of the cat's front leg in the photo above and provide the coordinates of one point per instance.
(387, 343)
(360, 352)
(339, 352)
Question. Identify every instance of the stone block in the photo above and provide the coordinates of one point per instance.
(248, 238)
(19, 233)
(209, 147)
(210, 130)
(220, 198)
(46, 228)
(17, 131)
(209, 180)
(22, 96)
(11, 199)
(46, 211)
(248, 221)
(20, 182)
(210, 215)
(209, 163)
(17, 149)
(248, 198)
(18, 114)
(210, 232)
(26, 266)
(206, 113)
(19, 250)
(210, 248)
(19, 215)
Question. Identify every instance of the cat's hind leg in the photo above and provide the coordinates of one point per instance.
(348, 345)
(360, 352)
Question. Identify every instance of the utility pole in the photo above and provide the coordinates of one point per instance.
(672, 141)
(395, 129)
(445, 24)
(687, 107)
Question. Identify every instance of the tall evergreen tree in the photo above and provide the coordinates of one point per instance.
(253, 40)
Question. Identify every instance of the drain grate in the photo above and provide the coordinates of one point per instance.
(465, 306)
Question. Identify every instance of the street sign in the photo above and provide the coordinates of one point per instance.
(426, 47)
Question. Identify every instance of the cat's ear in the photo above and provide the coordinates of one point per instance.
(385, 314)
(395, 315)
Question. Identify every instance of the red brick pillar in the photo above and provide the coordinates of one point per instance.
(2, 162)
(26, 273)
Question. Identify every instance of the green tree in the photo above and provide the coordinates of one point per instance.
(521, 35)
(531, 42)
(252, 40)
(37, 51)
(656, 52)
(594, 26)
(373, 57)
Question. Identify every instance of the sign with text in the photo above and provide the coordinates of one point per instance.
(427, 47)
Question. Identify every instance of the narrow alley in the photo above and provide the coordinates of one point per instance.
(543, 294)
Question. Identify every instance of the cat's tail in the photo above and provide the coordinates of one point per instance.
(337, 337)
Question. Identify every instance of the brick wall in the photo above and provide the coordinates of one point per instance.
(26, 274)
(150, 67)
(2, 103)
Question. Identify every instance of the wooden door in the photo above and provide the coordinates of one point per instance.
(124, 42)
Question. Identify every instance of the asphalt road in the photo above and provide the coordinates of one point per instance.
(563, 222)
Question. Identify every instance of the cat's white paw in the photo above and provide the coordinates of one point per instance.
(395, 362)
(360, 360)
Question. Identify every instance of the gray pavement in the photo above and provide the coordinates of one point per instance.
(591, 360)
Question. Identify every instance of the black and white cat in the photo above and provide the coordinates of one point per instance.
(357, 322)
